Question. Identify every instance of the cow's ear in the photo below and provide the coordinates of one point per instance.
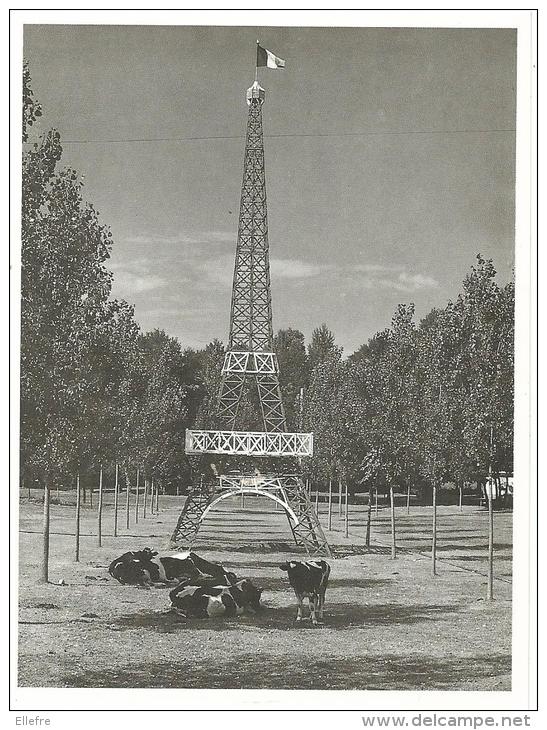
(284, 566)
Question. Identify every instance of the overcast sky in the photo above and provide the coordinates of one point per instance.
(393, 167)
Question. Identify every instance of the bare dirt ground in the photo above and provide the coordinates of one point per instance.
(389, 624)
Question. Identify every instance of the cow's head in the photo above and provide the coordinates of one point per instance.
(251, 593)
(288, 566)
(231, 578)
(146, 554)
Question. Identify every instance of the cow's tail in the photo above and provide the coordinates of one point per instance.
(326, 574)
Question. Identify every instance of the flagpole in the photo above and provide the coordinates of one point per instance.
(256, 62)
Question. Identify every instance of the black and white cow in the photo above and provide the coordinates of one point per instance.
(143, 566)
(131, 567)
(308, 580)
(210, 601)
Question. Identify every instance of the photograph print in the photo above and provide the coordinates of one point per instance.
(267, 357)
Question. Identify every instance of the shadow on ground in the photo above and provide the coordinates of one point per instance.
(274, 584)
(385, 672)
(337, 616)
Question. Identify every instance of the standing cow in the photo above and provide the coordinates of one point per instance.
(308, 580)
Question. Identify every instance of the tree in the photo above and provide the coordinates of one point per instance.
(293, 371)
(332, 413)
(31, 108)
(163, 415)
(322, 347)
(64, 293)
(486, 319)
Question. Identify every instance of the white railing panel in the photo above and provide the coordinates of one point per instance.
(248, 443)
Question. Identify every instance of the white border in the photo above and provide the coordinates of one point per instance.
(521, 696)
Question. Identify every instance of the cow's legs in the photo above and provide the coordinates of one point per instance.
(321, 603)
(300, 607)
(313, 605)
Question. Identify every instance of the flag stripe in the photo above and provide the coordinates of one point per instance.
(267, 58)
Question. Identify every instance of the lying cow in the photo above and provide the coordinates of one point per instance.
(131, 568)
(205, 601)
(308, 580)
(144, 567)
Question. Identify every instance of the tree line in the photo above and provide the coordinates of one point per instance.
(419, 403)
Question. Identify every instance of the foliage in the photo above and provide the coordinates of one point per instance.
(322, 347)
(422, 404)
(289, 345)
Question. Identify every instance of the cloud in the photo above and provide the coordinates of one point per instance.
(295, 269)
(406, 282)
(373, 268)
(139, 265)
(418, 281)
(197, 238)
(374, 276)
(129, 283)
(220, 270)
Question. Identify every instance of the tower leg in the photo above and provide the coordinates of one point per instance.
(308, 533)
(189, 522)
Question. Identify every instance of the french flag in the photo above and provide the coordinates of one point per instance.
(267, 58)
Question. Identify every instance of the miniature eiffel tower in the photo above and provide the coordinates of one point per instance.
(250, 358)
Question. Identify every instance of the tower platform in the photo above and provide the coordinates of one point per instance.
(248, 443)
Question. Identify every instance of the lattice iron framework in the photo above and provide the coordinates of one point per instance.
(250, 357)
(287, 490)
(251, 329)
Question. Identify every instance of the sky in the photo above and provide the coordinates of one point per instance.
(389, 164)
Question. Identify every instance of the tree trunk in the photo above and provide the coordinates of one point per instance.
(339, 497)
(329, 521)
(78, 512)
(145, 498)
(376, 501)
(127, 497)
(45, 532)
(393, 545)
(137, 497)
(408, 500)
(346, 513)
(461, 497)
(434, 538)
(100, 509)
(490, 594)
(116, 496)
(157, 498)
(369, 516)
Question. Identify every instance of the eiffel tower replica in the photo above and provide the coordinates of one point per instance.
(250, 360)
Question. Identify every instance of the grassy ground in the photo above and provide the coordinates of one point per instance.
(389, 624)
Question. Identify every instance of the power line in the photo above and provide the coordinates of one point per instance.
(278, 136)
